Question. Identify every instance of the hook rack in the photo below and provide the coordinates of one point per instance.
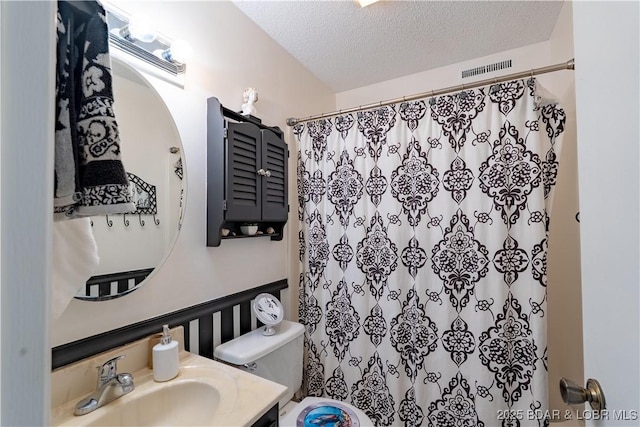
(127, 222)
(145, 201)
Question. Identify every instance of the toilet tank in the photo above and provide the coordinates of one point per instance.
(277, 357)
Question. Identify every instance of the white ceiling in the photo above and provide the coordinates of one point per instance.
(347, 47)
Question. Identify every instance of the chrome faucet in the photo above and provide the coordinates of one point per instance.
(111, 385)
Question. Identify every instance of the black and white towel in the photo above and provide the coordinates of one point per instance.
(89, 175)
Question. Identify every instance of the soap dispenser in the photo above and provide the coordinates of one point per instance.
(165, 357)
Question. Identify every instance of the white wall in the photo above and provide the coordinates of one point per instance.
(564, 298)
(231, 53)
(28, 78)
(564, 306)
(524, 59)
(607, 38)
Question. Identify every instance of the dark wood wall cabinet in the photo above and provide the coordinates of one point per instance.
(246, 175)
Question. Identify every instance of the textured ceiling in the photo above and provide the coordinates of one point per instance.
(347, 47)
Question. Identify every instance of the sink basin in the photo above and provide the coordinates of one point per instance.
(183, 403)
(198, 396)
(205, 393)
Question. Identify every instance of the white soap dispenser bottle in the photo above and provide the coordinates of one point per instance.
(165, 357)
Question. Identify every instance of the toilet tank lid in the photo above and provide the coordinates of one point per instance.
(253, 345)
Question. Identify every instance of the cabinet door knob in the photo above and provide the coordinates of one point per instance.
(267, 173)
(261, 172)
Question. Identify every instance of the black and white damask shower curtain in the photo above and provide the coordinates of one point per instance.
(423, 245)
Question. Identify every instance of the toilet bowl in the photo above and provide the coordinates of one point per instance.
(318, 411)
(278, 358)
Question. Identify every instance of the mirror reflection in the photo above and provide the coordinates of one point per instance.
(132, 246)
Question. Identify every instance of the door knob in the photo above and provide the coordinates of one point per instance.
(573, 394)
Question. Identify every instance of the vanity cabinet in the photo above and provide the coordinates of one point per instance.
(269, 418)
(246, 175)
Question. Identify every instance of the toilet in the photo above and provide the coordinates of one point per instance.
(278, 358)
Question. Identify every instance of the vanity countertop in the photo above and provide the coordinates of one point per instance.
(242, 399)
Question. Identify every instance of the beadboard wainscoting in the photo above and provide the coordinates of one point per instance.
(205, 325)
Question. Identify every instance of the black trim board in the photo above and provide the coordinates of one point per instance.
(77, 350)
(104, 282)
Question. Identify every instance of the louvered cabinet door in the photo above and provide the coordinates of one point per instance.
(274, 183)
(244, 188)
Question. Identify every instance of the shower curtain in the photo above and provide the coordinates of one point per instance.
(423, 250)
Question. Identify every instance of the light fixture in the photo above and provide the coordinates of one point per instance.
(138, 28)
(136, 36)
(180, 52)
(365, 3)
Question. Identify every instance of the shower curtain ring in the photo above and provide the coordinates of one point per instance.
(531, 76)
(432, 101)
(494, 87)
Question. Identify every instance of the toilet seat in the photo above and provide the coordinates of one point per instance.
(314, 411)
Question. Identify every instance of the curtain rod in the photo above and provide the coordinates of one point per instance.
(569, 65)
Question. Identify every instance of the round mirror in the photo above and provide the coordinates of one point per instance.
(133, 246)
(268, 309)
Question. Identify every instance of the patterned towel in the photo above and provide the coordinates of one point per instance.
(89, 176)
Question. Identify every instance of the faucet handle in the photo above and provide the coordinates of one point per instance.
(108, 370)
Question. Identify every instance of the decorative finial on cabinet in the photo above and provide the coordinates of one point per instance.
(250, 97)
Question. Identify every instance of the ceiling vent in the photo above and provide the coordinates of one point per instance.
(486, 68)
